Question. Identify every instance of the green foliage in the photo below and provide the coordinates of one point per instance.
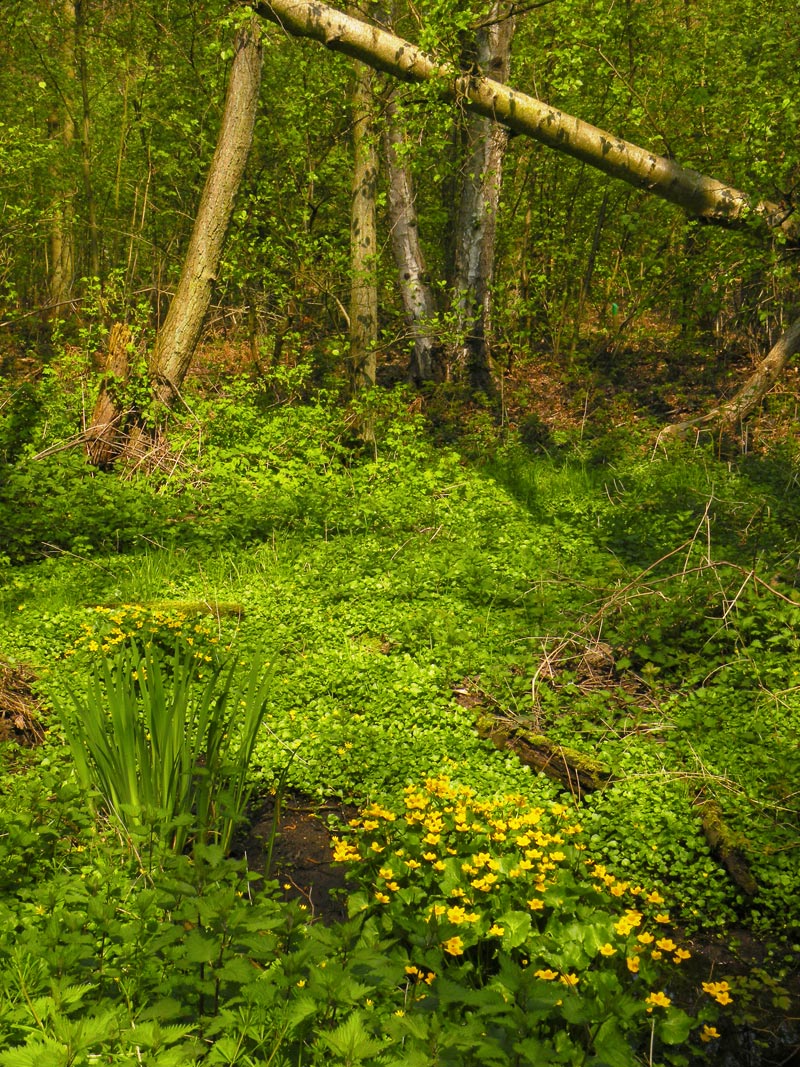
(402, 586)
(165, 750)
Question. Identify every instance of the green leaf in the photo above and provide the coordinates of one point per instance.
(675, 1027)
(351, 1040)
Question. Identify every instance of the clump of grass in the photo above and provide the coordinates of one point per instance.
(163, 748)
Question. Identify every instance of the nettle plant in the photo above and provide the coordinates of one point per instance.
(509, 927)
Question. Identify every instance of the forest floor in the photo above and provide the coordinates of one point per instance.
(546, 566)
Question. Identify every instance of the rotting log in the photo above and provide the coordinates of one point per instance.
(574, 770)
(725, 845)
(185, 607)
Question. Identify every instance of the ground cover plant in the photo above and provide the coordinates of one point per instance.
(400, 589)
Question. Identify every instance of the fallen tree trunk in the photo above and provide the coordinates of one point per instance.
(574, 770)
(726, 846)
(729, 415)
(699, 195)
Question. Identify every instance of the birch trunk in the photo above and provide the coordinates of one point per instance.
(476, 224)
(178, 337)
(419, 302)
(363, 235)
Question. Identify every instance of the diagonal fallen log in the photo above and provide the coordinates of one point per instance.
(733, 412)
(701, 196)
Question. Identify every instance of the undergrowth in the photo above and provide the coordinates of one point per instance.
(640, 608)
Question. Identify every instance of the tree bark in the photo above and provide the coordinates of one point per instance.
(731, 414)
(86, 147)
(696, 193)
(363, 234)
(178, 337)
(104, 436)
(419, 302)
(61, 130)
(485, 142)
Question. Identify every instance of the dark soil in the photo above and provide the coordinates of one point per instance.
(302, 858)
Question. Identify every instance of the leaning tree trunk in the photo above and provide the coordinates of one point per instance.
(363, 234)
(178, 337)
(730, 415)
(697, 194)
(419, 302)
(476, 222)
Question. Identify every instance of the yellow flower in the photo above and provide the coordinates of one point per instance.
(454, 946)
(655, 898)
(633, 964)
(655, 954)
(680, 955)
(709, 1032)
(386, 872)
(375, 847)
(495, 931)
(719, 991)
(429, 856)
(658, 1000)
(412, 970)
(429, 977)
(535, 905)
(607, 949)
(381, 898)
(666, 944)
(644, 938)
(569, 979)
(662, 917)
(547, 976)
(344, 852)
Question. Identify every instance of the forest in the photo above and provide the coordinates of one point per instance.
(399, 533)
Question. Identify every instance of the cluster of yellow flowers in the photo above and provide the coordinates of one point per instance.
(468, 857)
(111, 627)
(720, 991)
(445, 822)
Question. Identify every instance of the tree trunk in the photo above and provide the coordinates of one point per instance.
(104, 436)
(485, 143)
(363, 235)
(419, 302)
(729, 415)
(697, 194)
(86, 154)
(177, 338)
(61, 130)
